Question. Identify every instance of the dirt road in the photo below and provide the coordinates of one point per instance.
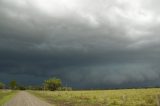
(25, 99)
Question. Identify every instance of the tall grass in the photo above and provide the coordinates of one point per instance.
(127, 97)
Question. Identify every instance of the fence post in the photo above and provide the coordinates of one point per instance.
(124, 100)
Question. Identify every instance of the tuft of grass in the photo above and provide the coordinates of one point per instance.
(6, 95)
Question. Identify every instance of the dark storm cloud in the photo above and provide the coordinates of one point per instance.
(106, 43)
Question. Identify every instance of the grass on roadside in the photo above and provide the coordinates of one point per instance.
(126, 97)
(6, 95)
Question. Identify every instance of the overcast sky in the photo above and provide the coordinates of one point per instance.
(86, 43)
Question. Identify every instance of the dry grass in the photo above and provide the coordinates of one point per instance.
(126, 97)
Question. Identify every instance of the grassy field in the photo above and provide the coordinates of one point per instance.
(6, 95)
(126, 97)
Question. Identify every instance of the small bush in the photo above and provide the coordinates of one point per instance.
(64, 89)
(2, 85)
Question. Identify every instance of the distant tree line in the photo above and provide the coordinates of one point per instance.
(51, 84)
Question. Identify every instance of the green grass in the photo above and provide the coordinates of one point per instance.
(126, 97)
(6, 96)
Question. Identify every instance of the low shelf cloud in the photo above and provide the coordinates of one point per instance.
(83, 42)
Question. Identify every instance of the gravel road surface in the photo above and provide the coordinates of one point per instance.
(24, 98)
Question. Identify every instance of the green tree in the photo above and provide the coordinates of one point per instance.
(2, 85)
(13, 84)
(52, 84)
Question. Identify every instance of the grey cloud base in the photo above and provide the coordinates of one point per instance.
(106, 47)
